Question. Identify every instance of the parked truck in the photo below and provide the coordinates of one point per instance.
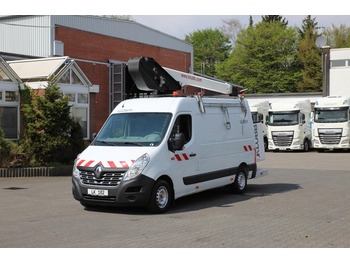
(289, 125)
(151, 151)
(331, 127)
(260, 114)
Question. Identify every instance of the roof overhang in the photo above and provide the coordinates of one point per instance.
(9, 71)
(47, 69)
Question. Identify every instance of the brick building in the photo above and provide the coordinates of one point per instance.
(100, 46)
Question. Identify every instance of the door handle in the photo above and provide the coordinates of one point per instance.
(193, 154)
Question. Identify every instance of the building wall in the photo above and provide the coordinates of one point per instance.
(339, 75)
(91, 47)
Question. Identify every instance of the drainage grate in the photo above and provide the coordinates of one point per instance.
(15, 188)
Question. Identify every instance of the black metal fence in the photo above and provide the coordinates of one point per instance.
(36, 171)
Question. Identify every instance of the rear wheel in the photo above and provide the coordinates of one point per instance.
(240, 183)
(161, 197)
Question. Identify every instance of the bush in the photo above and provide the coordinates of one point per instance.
(11, 153)
(50, 134)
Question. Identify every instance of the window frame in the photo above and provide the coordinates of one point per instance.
(11, 87)
(75, 89)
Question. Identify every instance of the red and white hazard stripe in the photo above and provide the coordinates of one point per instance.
(181, 157)
(248, 148)
(106, 164)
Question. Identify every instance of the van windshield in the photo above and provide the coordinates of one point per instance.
(133, 129)
(283, 118)
(331, 115)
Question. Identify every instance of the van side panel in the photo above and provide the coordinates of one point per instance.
(219, 149)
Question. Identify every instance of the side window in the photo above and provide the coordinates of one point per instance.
(183, 124)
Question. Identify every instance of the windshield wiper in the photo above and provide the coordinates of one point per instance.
(105, 142)
(118, 143)
(132, 143)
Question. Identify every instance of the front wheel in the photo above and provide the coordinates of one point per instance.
(306, 145)
(240, 183)
(161, 197)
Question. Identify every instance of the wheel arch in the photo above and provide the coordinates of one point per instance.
(170, 182)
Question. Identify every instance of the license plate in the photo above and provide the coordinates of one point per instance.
(97, 192)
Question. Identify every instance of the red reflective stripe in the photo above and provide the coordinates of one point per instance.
(111, 164)
(82, 161)
(124, 164)
(245, 148)
(178, 157)
(250, 148)
(185, 156)
(89, 163)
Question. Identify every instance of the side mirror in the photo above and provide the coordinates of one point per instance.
(177, 143)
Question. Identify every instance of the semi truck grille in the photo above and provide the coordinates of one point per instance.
(330, 136)
(282, 138)
(106, 179)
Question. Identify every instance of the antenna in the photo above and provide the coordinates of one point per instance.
(321, 41)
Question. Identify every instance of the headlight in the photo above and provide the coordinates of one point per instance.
(75, 170)
(137, 167)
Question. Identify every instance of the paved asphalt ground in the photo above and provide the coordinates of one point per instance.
(303, 202)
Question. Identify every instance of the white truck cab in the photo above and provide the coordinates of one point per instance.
(289, 125)
(331, 126)
(151, 151)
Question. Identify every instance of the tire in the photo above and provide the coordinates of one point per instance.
(161, 197)
(306, 145)
(240, 183)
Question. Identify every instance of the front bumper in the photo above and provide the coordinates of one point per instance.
(135, 192)
(343, 144)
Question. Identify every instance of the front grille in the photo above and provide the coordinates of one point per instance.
(106, 179)
(282, 140)
(330, 138)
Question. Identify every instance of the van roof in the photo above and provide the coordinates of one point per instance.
(167, 104)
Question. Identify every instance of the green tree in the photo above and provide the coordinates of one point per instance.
(263, 59)
(307, 24)
(338, 37)
(251, 22)
(274, 18)
(50, 134)
(309, 58)
(210, 47)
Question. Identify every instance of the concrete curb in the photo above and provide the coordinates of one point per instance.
(36, 171)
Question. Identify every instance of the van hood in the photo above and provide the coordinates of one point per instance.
(110, 156)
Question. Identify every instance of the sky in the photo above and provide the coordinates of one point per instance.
(180, 17)
(181, 25)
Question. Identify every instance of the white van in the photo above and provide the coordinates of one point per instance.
(289, 126)
(151, 151)
(331, 127)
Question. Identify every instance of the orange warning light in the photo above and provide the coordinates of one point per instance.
(175, 93)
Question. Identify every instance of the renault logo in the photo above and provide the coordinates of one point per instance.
(98, 171)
